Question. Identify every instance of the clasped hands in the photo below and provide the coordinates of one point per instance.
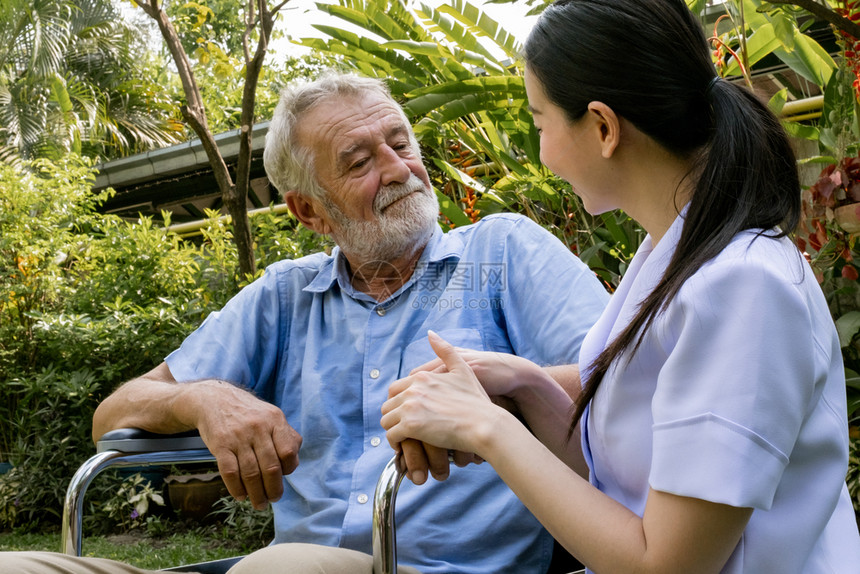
(445, 409)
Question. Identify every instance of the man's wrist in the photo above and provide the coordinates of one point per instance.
(186, 406)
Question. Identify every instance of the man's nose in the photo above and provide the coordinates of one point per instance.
(393, 169)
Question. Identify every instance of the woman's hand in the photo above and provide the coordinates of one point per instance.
(444, 407)
(501, 374)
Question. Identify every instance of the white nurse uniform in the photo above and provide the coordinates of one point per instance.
(736, 395)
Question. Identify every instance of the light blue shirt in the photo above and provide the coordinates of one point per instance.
(303, 338)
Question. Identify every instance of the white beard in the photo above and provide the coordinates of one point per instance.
(399, 230)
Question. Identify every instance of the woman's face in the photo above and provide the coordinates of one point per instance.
(571, 149)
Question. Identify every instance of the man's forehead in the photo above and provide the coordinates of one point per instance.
(337, 120)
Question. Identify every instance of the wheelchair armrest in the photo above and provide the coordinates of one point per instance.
(124, 448)
(132, 440)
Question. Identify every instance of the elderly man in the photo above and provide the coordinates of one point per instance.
(285, 384)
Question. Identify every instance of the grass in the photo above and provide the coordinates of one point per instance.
(162, 539)
(135, 547)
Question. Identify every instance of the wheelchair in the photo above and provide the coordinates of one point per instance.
(135, 447)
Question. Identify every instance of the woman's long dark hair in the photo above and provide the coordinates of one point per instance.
(649, 61)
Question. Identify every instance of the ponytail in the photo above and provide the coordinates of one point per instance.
(744, 175)
(748, 180)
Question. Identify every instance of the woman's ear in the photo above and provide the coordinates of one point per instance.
(608, 125)
(308, 211)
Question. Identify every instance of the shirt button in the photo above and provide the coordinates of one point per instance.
(374, 373)
(362, 498)
(380, 311)
(375, 441)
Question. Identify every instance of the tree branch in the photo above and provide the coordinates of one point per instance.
(180, 58)
(823, 13)
(194, 114)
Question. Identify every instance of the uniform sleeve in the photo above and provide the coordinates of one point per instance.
(552, 298)
(239, 343)
(734, 390)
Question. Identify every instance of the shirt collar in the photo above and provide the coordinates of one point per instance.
(440, 247)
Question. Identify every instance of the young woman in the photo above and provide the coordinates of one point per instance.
(712, 411)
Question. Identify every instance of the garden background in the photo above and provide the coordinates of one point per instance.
(89, 299)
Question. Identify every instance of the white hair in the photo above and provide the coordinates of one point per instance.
(289, 165)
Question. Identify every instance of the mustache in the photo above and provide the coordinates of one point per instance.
(391, 193)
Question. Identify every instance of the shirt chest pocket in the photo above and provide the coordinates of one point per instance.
(419, 352)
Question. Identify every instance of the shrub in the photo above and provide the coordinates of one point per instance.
(131, 502)
(88, 301)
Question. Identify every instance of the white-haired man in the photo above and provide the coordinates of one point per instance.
(285, 384)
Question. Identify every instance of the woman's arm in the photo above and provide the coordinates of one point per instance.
(676, 534)
(542, 396)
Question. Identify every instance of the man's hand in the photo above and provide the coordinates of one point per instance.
(420, 457)
(250, 438)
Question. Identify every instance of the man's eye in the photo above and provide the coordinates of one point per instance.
(359, 164)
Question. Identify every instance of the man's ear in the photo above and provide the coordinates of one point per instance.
(308, 211)
(609, 127)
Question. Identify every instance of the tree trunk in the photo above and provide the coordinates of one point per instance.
(234, 194)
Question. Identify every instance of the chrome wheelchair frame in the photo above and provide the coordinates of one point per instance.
(134, 447)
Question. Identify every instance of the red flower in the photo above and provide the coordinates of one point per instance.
(850, 272)
(838, 184)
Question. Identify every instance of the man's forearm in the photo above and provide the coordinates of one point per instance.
(147, 402)
(250, 438)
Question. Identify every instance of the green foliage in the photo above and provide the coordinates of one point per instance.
(50, 413)
(71, 80)
(853, 479)
(130, 505)
(211, 33)
(220, 76)
(210, 25)
(281, 237)
(250, 529)
(70, 274)
(88, 301)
